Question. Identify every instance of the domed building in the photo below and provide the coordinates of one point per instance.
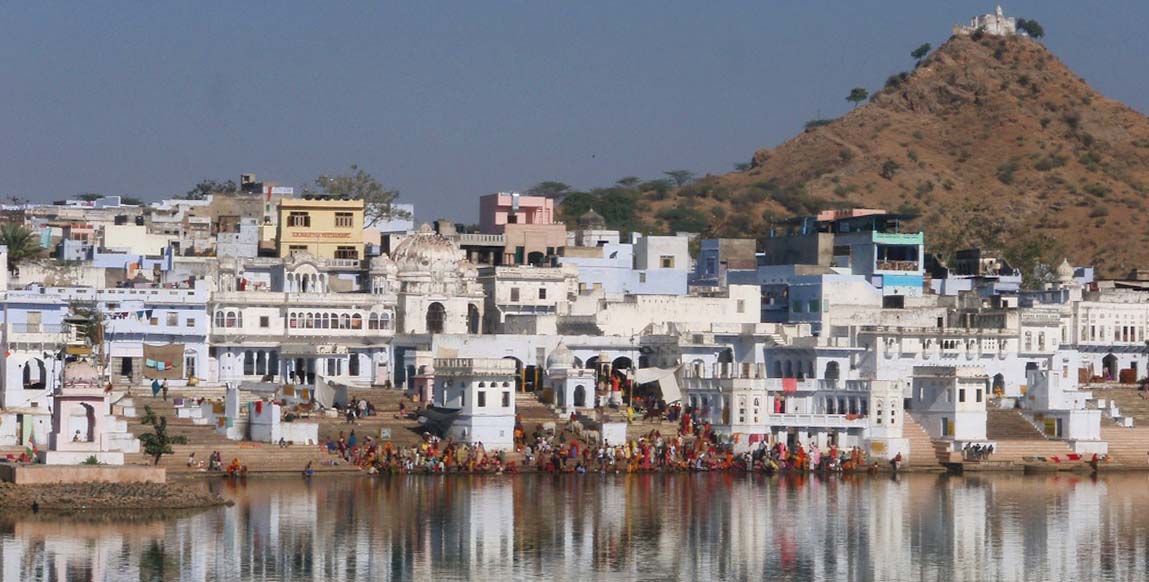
(438, 290)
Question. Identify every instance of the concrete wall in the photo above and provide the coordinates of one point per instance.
(48, 474)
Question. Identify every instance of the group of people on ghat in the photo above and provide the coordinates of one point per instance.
(694, 447)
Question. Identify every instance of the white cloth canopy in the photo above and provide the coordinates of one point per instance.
(667, 381)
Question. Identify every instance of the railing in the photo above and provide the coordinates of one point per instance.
(816, 420)
(36, 328)
(897, 265)
(480, 238)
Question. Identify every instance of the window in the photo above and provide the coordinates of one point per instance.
(264, 321)
(741, 306)
(219, 319)
(542, 293)
(344, 219)
(353, 365)
(961, 395)
(356, 321)
(299, 219)
(796, 306)
(154, 321)
(373, 321)
(642, 277)
(297, 249)
(190, 322)
(813, 306)
(506, 399)
(482, 402)
(666, 261)
(977, 394)
(514, 294)
(173, 319)
(346, 253)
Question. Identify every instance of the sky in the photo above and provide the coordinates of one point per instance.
(447, 100)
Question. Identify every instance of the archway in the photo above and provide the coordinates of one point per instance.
(436, 316)
(1109, 365)
(518, 372)
(998, 386)
(472, 318)
(592, 363)
(580, 395)
(536, 259)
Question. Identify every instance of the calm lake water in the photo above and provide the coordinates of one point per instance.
(644, 527)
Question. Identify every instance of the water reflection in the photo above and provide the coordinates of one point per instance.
(653, 527)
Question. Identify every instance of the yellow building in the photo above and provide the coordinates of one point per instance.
(329, 228)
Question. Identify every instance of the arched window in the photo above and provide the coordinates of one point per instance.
(249, 363)
(325, 321)
(273, 363)
(230, 319)
(310, 321)
(373, 321)
(356, 321)
(261, 363)
(436, 317)
(353, 365)
(344, 321)
(219, 318)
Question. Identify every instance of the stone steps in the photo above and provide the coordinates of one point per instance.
(1010, 425)
(922, 449)
(1126, 445)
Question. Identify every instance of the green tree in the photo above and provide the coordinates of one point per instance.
(1031, 28)
(857, 95)
(921, 52)
(22, 244)
(89, 196)
(549, 189)
(131, 201)
(629, 181)
(378, 202)
(158, 443)
(206, 188)
(680, 177)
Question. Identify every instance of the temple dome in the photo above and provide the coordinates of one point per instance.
(80, 374)
(560, 358)
(383, 264)
(426, 250)
(1065, 272)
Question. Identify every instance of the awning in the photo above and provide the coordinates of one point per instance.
(667, 381)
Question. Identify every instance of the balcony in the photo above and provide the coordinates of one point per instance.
(817, 420)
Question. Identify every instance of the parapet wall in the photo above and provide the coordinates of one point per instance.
(48, 474)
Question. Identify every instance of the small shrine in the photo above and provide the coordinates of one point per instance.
(79, 420)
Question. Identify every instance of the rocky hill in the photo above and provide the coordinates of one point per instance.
(991, 141)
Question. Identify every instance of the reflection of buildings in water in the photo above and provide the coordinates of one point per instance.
(631, 526)
(46, 548)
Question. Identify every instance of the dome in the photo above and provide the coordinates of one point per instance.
(1065, 272)
(426, 250)
(80, 374)
(592, 219)
(561, 358)
(383, 264)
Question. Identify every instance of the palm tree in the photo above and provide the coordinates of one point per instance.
(21, 242)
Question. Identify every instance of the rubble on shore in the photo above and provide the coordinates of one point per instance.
(106, 496)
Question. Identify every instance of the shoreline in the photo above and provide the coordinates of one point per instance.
(81, 497)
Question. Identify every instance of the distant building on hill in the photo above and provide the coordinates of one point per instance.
(995, 23)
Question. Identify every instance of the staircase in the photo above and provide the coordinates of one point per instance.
(923, 451)
(1130, 402)
(1015, 438)
(1127, 446)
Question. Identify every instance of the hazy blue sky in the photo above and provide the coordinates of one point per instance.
(448, 100)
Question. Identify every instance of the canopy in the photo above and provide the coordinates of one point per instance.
(667, 381)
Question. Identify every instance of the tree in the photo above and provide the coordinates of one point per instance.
(680, 177)
(889, 169)
(22, 244)
(157, 443)
(921, 52)
(1031, 28)
(741, 166)
(90, 196)
(549, 189)
(378, 202)
(629, 181)
(131, 201)
(857, 95)
(206, 188)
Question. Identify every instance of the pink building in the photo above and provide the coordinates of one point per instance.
(498, 210)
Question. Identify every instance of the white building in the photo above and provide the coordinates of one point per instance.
(995, 23)
(481, 391)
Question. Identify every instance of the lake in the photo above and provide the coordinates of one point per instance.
(624, 527)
